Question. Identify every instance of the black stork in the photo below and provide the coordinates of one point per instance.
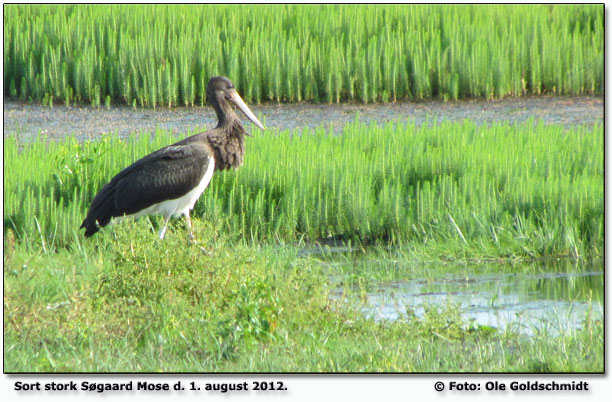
(169, 181)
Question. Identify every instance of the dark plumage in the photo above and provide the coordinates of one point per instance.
(170, 180)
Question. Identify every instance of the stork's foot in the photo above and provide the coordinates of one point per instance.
(192, 239)
(207, 252)
(194, 242)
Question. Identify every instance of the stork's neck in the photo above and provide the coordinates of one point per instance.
(227, 139)
(227, 118)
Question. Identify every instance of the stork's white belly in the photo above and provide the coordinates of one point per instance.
(181, 205)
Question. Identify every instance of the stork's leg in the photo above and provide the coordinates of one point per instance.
(162, 232)
(188, 221)
(192, 239)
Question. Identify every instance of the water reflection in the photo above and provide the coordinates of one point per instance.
(553, 296)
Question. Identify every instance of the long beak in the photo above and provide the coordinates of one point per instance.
(237, 100)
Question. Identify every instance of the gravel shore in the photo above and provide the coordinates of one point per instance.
(26, 121)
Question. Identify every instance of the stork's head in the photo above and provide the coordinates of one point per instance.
(220, 92)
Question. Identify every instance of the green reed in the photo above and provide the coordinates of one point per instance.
(152, 55)
(527, 189)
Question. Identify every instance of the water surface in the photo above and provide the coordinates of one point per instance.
(555, 296)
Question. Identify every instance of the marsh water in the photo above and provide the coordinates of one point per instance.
(554, 296)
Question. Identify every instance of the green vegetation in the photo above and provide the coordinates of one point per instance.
(458, 190)
(126, 301)
(153, 55)
(443, 192)
(130, 302)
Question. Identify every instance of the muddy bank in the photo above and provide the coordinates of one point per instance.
(26, 121)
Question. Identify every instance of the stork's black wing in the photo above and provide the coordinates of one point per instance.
(170, 174)
(163, 175)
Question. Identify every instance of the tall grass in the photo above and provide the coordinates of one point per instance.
(153, 55)
(526, 189)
